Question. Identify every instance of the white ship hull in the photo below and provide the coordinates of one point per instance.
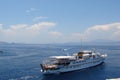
(81, 60)
(76, 66)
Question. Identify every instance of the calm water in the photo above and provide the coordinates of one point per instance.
(21, 62)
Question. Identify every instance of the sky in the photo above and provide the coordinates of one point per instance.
(59, 21)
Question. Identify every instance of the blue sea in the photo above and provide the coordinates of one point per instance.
(22, 62)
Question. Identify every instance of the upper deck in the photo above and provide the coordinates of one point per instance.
(62, 57)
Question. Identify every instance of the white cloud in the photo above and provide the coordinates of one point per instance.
(42, 25)
(18, 27)
(39, 18)
(99, 32)
(103, 32)
(1, 26)
(24, 32)
(55, 34)
(104, 27)
(44, 32)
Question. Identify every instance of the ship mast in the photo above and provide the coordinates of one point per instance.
(81, 46)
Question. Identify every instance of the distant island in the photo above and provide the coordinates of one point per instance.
(1, 42)
(69, 43)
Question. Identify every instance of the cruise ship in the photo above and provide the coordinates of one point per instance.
(80, 60)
